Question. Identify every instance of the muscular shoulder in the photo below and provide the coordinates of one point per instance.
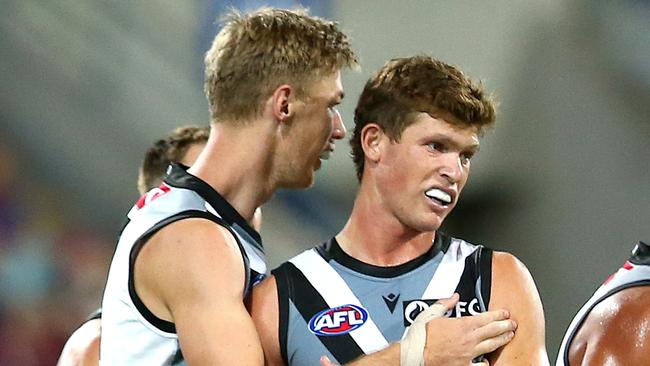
(615, 330)
(188, 259)
(513, 288)
(506, 262)
(193, 232)
(190, 240)
(510, 276)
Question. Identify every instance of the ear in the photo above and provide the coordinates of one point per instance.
(372, 141)
(281, 102)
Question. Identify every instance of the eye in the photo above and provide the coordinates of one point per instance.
(466, 157)
(436, 146)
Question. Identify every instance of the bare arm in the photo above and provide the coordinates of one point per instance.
(82, 348)
(513, 289)
(615, 332)
(265, 313)
(192, 274)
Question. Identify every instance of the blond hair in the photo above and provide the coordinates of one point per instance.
(254, 53)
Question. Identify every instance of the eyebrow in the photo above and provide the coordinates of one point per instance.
(447, 141)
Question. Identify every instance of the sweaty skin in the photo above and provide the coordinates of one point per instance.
(616, 332)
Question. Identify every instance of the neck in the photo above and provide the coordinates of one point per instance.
(375, 236)
(236, 162)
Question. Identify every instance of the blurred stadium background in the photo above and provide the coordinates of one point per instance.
(562, 181)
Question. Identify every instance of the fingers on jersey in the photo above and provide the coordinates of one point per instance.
(467, 337)
(450, 302)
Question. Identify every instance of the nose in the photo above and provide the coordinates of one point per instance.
(451, 167)
(338, 128)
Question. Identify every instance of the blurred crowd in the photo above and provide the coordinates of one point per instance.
(52, 271)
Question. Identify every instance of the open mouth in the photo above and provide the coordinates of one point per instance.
(439, 196)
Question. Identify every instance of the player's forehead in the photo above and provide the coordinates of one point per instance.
(443, 129)
(327, 87)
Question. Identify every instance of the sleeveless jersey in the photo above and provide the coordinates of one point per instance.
(635, 272)
(335, 305)
(131, 334)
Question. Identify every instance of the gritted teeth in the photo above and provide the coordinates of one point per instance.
(439, 195)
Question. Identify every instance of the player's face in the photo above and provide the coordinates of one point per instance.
(421, 177)
(318, 125)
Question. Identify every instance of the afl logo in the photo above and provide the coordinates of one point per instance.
(339, 320)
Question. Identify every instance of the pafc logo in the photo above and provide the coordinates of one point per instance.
(413, 308)
(339, 320)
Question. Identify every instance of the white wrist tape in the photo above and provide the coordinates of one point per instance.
(412, 346)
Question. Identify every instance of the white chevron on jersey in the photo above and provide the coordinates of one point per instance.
(444, 281)
(336, 279)
(336, 293)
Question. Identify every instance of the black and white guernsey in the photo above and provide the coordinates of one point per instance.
(335, 305)
(131, 333)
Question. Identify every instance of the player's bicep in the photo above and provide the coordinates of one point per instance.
(200, 278)
(265, 312)
(513, 289)
(222, 335)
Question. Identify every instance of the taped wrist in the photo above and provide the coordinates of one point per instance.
(412, 346)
